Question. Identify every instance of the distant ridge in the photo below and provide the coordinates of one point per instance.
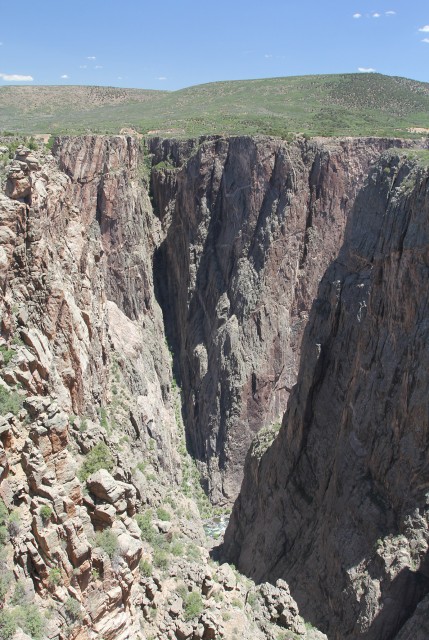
(325, 105)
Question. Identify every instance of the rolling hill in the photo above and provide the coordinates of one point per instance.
(346, 104)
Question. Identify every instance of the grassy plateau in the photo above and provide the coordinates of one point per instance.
(325, 105)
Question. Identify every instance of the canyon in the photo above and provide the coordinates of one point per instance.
(155, 294)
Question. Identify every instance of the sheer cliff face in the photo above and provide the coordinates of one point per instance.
(339, 504)
(78, 240)
(82, 334)
(250, 226)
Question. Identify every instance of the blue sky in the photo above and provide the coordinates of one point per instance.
(170, 44)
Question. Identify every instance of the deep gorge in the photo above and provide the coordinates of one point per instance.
(130, 268)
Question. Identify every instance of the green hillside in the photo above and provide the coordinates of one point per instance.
(348, 104)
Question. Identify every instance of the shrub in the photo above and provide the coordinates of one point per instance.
(141, 466)
(4, 513)
(54, 577)
(30, 620)
(108, 541)
(144, 520)
(7, 624)
(72, 610)
(193, 553)
(4, 536)
(163, 514)
(177, 548)
(98, 458)
(18, 594)
(14, 524)
(7, 354)
(5, 580)
(10, 402)
(145, 568)
(45, 512)
(193, 606)
(160, 559)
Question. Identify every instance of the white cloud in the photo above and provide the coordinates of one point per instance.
(357, 15)
(83, 66)
(161, 78)
(64, 76)
(98, 66)
(390, 13)
(14, 77)
(425, 29)
(268, 55)
(376, 15)
(366, 69)
(425, 40)
(91, 58)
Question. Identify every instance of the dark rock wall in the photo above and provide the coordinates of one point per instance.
(250, 226)
(339, 505)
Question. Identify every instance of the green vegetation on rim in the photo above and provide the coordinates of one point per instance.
(345, 104)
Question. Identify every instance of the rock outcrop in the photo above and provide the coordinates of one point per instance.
(83, 349)
(250, 226)
(338, 506)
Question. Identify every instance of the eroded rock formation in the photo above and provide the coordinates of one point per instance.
(338, 506)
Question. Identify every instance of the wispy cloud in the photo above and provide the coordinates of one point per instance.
(15, 77)
(83, 66)
(366, 69)
(425, 40)
(161, 78)
(357, 15)
(1, 44)
(91, 58)
(98, 66)
(376, 14)
(64, 76)
(390, 13)
(268, 55)
(425, 29)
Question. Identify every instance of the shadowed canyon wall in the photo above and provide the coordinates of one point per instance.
(250, 226)
(338, 506)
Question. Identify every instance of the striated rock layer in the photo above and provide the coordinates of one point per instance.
(338, 506)
(250, 226)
